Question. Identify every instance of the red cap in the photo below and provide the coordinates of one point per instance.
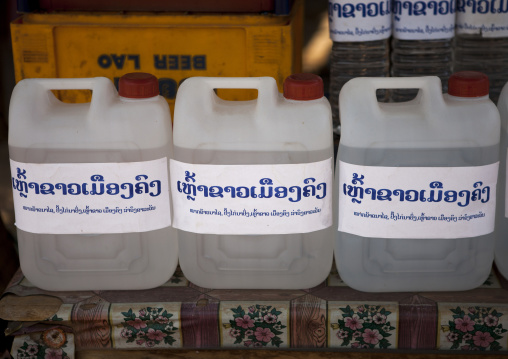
(138, 85)
(303, 87)
(468, 84)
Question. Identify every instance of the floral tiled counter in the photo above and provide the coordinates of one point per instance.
(330, 316)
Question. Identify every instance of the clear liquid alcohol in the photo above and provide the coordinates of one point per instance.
(245, 261)
(99, 258)
(390, 263)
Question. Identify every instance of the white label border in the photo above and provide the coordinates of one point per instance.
(384, 218)
(197, 211)
(50, 198)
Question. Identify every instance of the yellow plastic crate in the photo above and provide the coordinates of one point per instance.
(172, 46)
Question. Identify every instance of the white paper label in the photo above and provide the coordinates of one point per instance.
(252, 199)
(79, 198)
(417, 202)
(424, 20)
(359, 20)
(488, 18)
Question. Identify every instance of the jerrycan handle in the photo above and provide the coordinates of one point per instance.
(103, 90)
(429, 94)
(203, 87)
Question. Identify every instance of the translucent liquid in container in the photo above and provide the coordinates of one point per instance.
(404, 156)
(240, 260)
(72, 134)
(258, 136)
(413, 264)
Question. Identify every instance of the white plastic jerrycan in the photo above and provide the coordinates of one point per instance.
(416, 183)
(252, 183)
(501, 257)
(91, 184)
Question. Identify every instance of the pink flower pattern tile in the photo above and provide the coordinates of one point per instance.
(472, 327)
(362, 325)
(146, 325)
(254, 324)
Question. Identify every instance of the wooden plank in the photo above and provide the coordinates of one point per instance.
(159, 294)
(200, 323)
(308, 322)
(345, 294)
(417, 323)
(264, 354)
(90, 320)
(28, 309)
(199, 289)
(270, 295)
(478, 295)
